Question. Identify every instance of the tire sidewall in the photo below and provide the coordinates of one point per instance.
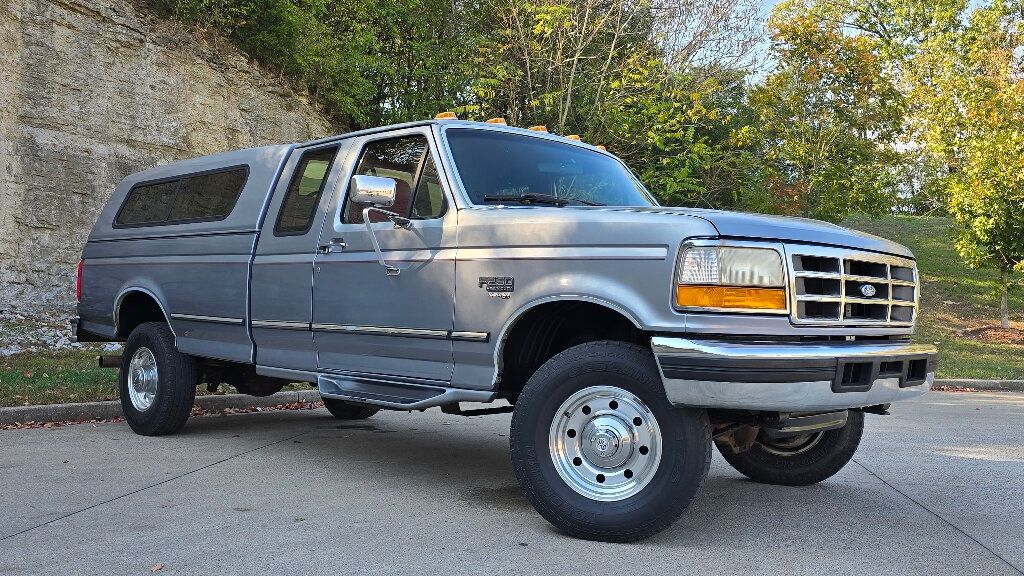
(685, 450)
(827, 457)
(168, 400)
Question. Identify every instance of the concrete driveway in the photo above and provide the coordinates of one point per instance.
(938, 488)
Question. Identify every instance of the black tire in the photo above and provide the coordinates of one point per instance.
(800, 464)
(685, 451)
(347, 410)
(177, 378)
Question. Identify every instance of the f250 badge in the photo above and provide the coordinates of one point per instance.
(498, 286)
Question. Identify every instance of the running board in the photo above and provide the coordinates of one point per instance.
(394, 394)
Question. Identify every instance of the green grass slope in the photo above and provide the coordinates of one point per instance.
(954, 298)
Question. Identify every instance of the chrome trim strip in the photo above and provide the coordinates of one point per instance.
(282, 324)
(469, 336)
(672, 346)
(461, 335)
(381, 330)
(565, 253)
(211, 319)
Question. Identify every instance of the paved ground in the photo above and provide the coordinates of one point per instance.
(935, 489)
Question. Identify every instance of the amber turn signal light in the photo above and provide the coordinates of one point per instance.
(730, 297)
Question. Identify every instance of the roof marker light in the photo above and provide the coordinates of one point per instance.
(600, 147)
(497, 121)
(574, 137)
(446, 116)
(539, 128)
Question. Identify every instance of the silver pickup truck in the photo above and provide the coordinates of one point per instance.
(446, 262)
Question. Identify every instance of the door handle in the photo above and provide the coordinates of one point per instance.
(334, 245)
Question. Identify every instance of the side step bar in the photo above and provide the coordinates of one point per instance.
(396, 395)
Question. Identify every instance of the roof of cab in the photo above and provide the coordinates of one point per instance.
(455, 122)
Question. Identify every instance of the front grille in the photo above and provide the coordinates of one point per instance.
(845, 287)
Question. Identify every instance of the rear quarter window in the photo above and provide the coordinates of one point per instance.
(197, 197)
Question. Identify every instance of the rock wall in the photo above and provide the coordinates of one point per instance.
(93, 90)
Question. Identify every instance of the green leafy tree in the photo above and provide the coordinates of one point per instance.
(970, 90)
(829, 118)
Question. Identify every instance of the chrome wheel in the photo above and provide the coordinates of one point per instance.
(792, 445)
(605, 443)
(143, 379)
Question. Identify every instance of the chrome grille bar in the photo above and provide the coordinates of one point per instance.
(833, 286)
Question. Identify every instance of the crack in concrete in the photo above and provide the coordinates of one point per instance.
(162, 482)
(940, 517)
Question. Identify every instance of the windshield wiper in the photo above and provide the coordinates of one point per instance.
(534, 198)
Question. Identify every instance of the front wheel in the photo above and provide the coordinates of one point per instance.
(799, 460)
(598, 449)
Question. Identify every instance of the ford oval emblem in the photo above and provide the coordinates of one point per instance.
(868, 290)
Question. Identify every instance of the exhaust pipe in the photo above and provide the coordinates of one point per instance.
(110, 361)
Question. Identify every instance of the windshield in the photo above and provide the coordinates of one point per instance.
(498, 167)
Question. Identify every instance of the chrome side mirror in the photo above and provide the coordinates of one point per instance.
(377, 193)
(374, 190)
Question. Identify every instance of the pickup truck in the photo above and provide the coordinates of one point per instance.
(449, 262)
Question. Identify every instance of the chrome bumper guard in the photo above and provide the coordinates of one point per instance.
(792, 376)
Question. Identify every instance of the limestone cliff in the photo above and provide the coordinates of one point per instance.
(93, 90)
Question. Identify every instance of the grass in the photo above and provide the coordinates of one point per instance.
(31, 378)
(953, 298)
(54, 377)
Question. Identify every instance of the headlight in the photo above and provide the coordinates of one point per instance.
(723, 277)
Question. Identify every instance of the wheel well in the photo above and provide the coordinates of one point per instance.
(553, 327)
(136, 308)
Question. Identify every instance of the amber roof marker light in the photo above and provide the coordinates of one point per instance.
(446, 116)
(539, 128)
(500, 121)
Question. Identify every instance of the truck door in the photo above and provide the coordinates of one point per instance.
(282, 267)
(365, 320)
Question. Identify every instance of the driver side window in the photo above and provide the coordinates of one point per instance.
(408, 161)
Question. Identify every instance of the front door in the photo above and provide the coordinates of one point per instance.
(365, 321)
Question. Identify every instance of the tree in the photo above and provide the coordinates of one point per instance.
(829, 118)
(970, 85)
(653, 80)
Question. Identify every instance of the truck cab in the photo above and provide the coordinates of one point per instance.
(444, 262)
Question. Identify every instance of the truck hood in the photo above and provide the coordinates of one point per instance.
(784, 228)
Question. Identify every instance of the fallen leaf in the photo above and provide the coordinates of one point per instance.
(157, 567)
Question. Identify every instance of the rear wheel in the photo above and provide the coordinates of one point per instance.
(799, 460)
(157, 382)
(599, 451)
(347, 410)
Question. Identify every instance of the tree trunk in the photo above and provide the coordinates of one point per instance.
(1004, 304)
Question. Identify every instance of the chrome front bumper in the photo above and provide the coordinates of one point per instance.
(792, 376)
